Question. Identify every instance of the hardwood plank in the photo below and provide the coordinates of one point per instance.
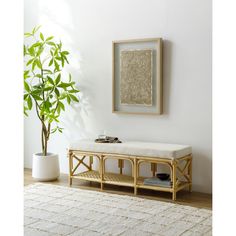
(194, 199)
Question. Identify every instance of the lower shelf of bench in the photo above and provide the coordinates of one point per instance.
(109, 178)
(123, 180)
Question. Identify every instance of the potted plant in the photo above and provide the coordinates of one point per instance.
(45, 89)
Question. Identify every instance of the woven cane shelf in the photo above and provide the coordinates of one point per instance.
(109, 178)
(90, 175)
(180, 168)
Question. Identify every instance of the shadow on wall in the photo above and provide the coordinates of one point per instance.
(73, 120)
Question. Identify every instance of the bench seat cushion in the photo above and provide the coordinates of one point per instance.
(158, 150)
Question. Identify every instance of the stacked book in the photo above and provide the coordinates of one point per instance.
(158, 182)
(107, 139)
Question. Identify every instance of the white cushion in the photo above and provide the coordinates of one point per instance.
(161, 150)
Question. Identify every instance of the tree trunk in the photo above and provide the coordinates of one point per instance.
(45, 145)
(44, 139)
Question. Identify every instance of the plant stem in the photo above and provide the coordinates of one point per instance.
(49, 130)
(44, 129)
(42, 141)
(45, 144)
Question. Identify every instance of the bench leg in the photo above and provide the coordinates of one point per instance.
(174, 181)
(70, 167)
(121, 165)
(135, 166)
(90, 162)
(190, 188)
(174, 196)
(153, 169)
(70, 181)
(190, 175)
(102, 170)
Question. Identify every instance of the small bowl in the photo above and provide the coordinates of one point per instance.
(163, 176)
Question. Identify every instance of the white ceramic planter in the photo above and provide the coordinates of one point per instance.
(45, 168)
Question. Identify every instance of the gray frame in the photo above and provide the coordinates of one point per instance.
(136, 44)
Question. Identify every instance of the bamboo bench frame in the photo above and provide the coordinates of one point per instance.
(181, 176)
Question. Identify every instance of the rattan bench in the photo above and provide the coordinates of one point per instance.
(177, 157)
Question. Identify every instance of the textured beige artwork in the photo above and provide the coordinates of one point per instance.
(136, 77)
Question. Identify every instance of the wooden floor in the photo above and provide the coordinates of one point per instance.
(183, 197)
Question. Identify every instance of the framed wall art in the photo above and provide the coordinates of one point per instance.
(137, 76)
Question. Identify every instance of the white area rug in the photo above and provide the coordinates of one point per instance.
(52, 210)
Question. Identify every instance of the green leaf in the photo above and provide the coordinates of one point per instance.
(29, 62)
(62, 61)
(36, 91)
(25, 109)
(34, 64)
(70, 77)
(38, 86)
(50, 63)
(26, 96)
(36, 44)
(53, 118)
(38, 75)
(29, 102)
(73, 91)
(27, 88)
(40, 51)
(61, 105)
(58, 110)
(48, 88)
(51, 43)
(38, 63)
(41, 36)
(65, 53)
(66, 60)
(64, 85)
(27, 35)
(74, 98)
(47, 71)
(57, 92)
(25, 50)
(56, 65)
(59, 45)
(49, 38)
(31, 51)
(54, 130)
(56, 52)
(47, 105)
(58, 79)
(35, 29)
(26, 74)
(50, 80)
(68, 99)
(63, 96)
(36, 97)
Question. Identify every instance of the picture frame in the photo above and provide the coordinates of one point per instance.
(137, 76)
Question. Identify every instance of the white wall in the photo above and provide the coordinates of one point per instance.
(87, 29)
